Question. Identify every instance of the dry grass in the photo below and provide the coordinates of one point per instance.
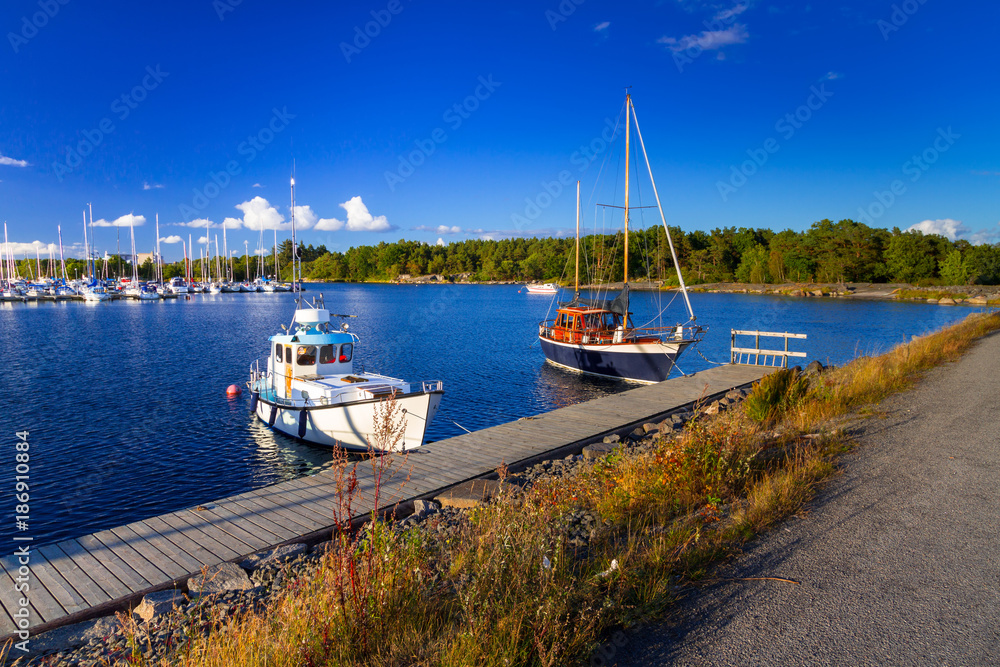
(510, 590)
(929, 294)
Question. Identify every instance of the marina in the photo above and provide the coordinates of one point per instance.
(110, 569)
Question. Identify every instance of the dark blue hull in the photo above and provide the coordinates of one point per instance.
(606, 361)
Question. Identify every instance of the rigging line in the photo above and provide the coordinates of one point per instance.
(459, 425)
(717, 363)
(660, 314)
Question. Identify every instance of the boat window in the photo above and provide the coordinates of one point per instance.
(306, 355)
(346, 352)
(288, 354)
(277, 352)
(327, 354)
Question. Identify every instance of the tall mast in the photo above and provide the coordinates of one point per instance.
(246, 258)
(577, 240)
(159, 277)
(276, 254)
(225, 249)
(86, 245)
(628, 123)
(296, 261)
(218, 267)
(90, 261)
(62, 258)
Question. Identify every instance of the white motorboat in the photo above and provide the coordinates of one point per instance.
(95, 293)
(539, 288)
(308, 387)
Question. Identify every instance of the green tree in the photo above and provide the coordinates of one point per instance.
(953, 269)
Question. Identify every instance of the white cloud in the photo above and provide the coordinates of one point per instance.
(11, 162)
(360, 220)
(257, 185)
(200, 223)
(173, 238)
(202, 240)
(440, 241)
(440, 229)
(232, 223)
(329, 225)
(304, 217)
(832, 76)
(708, 40)
(952, 229)
(152, 186)
(496, 235)
(259, 214)
(126, 220)
(727, 14)
(602, 26)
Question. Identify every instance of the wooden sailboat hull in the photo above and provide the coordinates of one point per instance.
(638, 362)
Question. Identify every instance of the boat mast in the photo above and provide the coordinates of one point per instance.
(577, 296)
(62, 258)
(628, 106)
(296, 261)
(673, 253)
(225, 249)
(276, 254)
(159, 274)
(246, 258)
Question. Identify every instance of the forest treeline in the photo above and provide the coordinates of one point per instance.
(845, 251)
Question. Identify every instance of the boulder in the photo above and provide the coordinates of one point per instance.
(649, 428)
(814, 367)
(273, 556)
(219, 579)
(598, 450)
(157, 604)
(735, 395)
(470, 494)
(946, 302)
(711, 408)
(611, 439)
(977, 301)
(425, 505)
(817, 292)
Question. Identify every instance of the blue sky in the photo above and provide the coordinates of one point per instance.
(773, 114)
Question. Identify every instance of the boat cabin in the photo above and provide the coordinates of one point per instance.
(586, 325)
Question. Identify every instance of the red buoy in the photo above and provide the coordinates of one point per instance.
(233, 390)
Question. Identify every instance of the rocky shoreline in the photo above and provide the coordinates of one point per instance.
(169, 620)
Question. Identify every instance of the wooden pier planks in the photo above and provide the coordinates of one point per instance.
(115, 565)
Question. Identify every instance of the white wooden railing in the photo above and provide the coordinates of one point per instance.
(756, 356)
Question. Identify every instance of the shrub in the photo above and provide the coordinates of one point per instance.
(775, 394)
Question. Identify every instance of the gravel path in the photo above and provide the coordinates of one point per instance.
(898, 557)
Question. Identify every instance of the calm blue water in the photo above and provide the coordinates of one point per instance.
(127, 413)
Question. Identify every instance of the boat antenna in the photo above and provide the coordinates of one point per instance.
(296, 260)
(673, 253)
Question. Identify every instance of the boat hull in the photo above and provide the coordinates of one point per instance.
(351, 425)
(639, 362)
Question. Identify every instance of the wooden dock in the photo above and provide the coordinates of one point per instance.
(93, 575)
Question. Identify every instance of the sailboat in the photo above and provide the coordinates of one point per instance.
(598, 337)
(309, 387)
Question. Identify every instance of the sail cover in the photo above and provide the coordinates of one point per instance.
(618, 305)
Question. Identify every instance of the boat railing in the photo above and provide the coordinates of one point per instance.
(620, 335)
(756, 356)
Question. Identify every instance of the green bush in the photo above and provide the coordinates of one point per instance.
(775, 394)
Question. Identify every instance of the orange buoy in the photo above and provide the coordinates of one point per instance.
(233, 390)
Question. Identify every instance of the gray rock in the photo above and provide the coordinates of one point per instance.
(814, 367)
(471, 494)
(218, 579)
(597, 450)
(610, 439)
(735, 395)
(638, 432)
(649, 428)
(73, 636)
(424, 505)
(324, 547)
(156, 604)
(273, 556)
